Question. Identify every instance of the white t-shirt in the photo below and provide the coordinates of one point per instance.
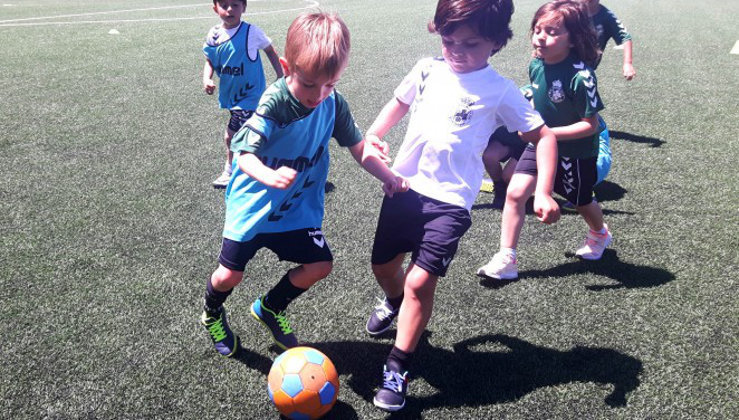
(257, 39)
(452, 116)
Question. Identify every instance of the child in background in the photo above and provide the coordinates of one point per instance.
(232, 52)
(455, 102)
(608, 26)
(565, 92)
(275, 198)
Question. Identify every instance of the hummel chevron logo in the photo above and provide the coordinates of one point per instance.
(424, 75)
(446, 261)
(566, 166)
(319, 241)
(579, 65)
(242, 94)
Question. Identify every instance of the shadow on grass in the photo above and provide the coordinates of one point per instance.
(651, 141)
(628, 276)
(609, 191)
(484, 370)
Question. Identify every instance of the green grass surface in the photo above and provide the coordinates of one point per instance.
(109, 228)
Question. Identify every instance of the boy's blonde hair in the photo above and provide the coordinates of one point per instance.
(317, 43)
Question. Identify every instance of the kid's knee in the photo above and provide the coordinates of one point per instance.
(319, 270)
(225, 278)
(517, 193)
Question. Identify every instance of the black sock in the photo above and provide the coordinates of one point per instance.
(396, 301)
(213, 299)
(282, 294)
(398, 360)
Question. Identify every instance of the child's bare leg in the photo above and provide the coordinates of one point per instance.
(225, 279)
(307, 275)
(514, 212)
(593, 215)
(416, 309)
(508, 170)
(227, 136)
(390, 276)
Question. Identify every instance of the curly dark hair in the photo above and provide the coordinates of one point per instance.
(574, 15)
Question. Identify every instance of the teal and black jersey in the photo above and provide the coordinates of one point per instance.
(608, 26)
(237, 65)
(565, 93)
(282, 132)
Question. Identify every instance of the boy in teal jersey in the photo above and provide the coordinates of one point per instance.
(232, 52)
(275, 198)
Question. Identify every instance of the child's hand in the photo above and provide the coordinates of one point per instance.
(629, 71)
(281, 178)
(546, 209)
(397, 184)
(379, 148)
(209, 86)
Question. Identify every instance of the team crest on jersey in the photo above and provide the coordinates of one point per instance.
(556, 93)
(463, 113)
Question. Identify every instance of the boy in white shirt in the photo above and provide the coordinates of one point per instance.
(456, 102)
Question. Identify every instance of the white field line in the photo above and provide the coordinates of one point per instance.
(735, 50)
(25, 21)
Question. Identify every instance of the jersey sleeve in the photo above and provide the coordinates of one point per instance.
(406, 90)
(253, 135)
(616, 29)
(209, 46)
(258, 38)
(345, 131)
(585, 93)
(516, 113)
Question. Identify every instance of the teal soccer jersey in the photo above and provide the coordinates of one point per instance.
(608, 26)
(565, 93)
(282, 132)
(237, 64)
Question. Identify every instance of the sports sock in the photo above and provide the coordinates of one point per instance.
(282, 294)
(509, 251)
(213, 299)
(396, 301)
(398, 360)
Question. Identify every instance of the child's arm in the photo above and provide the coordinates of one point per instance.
(274, 59)
(390, 114)
(629, 71)
(208, 85)
(253, 166)
(583, 128)
(545, 207)
(374, 164)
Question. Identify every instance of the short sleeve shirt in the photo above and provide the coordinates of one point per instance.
(608, 26)
(452, 116)
(565, 93)
(282, 132)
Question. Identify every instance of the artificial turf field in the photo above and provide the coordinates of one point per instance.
(109, 229)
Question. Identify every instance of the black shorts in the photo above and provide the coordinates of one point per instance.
(238, 118)
(512, 141)
(574, 179)
(302, 246)
(428, 228)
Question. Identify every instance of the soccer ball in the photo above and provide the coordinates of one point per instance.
(303, 383)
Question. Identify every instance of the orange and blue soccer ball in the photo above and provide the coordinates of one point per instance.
(303, 383)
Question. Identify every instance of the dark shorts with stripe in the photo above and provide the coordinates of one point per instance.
(574, 179)
(302, 246)
(427, 228)
(512, 141)
(238, 118)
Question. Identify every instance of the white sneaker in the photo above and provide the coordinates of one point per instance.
(594, 245)
(222, 180)
(502, 266)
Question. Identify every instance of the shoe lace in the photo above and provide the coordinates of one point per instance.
(283, 323)
(393, 380)
(217, 331)
(383, 310)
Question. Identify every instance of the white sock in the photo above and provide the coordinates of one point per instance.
(509, 251)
